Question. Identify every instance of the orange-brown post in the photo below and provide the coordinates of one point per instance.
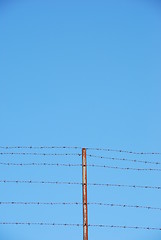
(84, 190)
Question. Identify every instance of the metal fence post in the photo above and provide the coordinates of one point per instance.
(84, 191)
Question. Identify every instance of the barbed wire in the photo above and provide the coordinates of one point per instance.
(123, 168)
(41, 164)
(79, 183)
(77, 165)
(123, 185)
(40, 182)
(79, 225)
(78, 154)
(41, 203)
(78, 147)
(79, 203)
(124, 227)
(123, 159)
(40, 154)
(42, 224)
(40, 147)
(124, 151)
(124, 205)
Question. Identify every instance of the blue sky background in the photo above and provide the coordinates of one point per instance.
(83, 73)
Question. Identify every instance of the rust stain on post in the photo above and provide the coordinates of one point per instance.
(84, 190)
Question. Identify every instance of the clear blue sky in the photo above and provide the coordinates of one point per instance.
(84, 73)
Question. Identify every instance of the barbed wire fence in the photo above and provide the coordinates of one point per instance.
(20, 163)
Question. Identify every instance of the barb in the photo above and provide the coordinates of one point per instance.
(78, 183)
(123, 159)
(124, 151)
(78, 165)
(79, 203)
(79, 225)
(40, 154)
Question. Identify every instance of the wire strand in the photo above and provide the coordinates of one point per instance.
(78, 154)
(78, 183)
(40, 182)
(41, 164)
(78, 165)
(124, 227)
(40, 203)
(123, 185)
(79, 203)
(122, 159)
(123, 168)
(76, 147)
(40, 147)
(40, 154)
(80, 225)
(124, 206)
(124, 151)
(42, 224)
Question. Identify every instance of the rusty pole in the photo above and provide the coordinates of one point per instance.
(84, 191)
